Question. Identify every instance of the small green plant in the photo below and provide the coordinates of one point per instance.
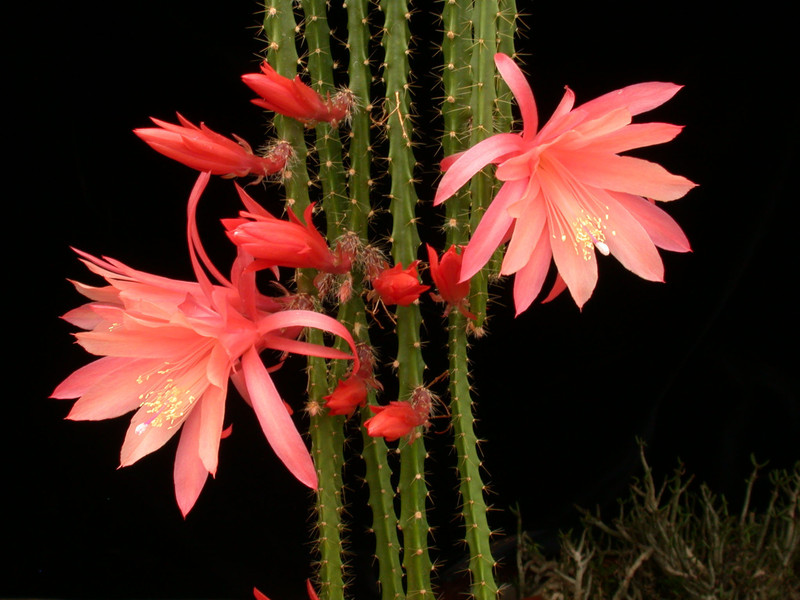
(671, 542)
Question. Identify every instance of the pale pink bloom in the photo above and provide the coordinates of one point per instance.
(204, 150)
(293, 98)
(169, 348)
(566, 191)
(398, 285)
(275, 242)
(446, 275)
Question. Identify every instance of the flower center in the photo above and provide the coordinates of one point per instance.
(167, 402)
(589, 235)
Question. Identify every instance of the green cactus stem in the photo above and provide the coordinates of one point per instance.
(484, 15)
(280, 28)
(327, 441)
(328, 144)
(353, 314)
(471, 487)
(327, 449)
(456, 110)
(405, 241)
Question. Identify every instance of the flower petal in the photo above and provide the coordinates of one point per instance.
(278, 427)
(629, 243)
(492, 230)
(473, 160)
(522, 91)
(212, 414)
(625, 174)
(189, 473)
(661, 228)
(637, 98)
(527, 231)
(529, 279)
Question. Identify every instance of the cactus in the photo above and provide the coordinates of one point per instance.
(334, 133)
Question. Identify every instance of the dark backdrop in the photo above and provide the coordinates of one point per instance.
(701, 367)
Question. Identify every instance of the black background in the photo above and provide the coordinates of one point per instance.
(702, 367)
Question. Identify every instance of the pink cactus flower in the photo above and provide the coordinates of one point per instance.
(204, 150)
(398, 285)
(566, 191)
(169, 347)
(275, 242)
(446, 275)
(293, 98)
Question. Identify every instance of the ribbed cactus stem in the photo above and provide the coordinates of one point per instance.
(484, 15)
(327, 447)
(506, 33)
(384, 518)
(280, 28)
(328, 144)
(358, 211)
(456, 110)
(405, 242)
(360, 147)
(473, 507)
(327, 441)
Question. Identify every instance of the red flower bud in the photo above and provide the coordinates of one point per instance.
(399, 286)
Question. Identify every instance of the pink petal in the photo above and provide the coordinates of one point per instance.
(79, 382)
(625, 174)
(491, 230)
(306, 318)
(576, 267)
(163, 342)
(637, 98)
(473, 160)
(522, 91)
(284, 344)
(137, 445)
(527, 231)
(661, 228)
(519, 166)
(529, 279)
(189, 473)
(560, 121)
(115, 394)
(275, 421)
(629, 243)
(636, 135)
(211, 416)
(579, 274)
